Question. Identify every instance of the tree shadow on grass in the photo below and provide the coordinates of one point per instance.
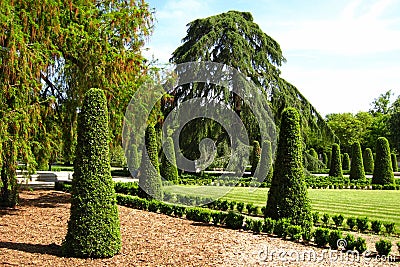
(50, 249)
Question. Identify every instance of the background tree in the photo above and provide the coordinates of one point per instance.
(357, 167)
(287, 197)
(325, 158)
(368, 160)
(346, 162)
(234, 39)
(265, 164)
(255, 156)
(149, 177)
(93, 227)
(383, 172)
(394, 124)
(51, 53)
(394, 162)
(336, 164)
(169, 170)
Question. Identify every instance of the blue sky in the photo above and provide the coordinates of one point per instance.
(340, 54)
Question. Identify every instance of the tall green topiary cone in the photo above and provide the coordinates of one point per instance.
(329, 155)
(368, 160)
(265, 162)
(394, 162)
(325, 159)
(169, 170)
(149, 177)
(357, 167)
(255, 156)
(336, 165)
(93, 227)
(346, 162)
(383, 172)
(287, 197)
(133, 158)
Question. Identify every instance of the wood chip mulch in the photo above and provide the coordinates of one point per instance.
(31, 235)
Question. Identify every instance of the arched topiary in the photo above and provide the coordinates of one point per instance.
(149, 176)
(346, 162)
(93, 227)
(357, 167)
(169, 170)
(336, 164)
(255, 156)
(287, 197)
(266, 162)
(394, 162)
(383, 172)
(368, 160)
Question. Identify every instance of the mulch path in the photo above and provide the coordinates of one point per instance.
(31, 235)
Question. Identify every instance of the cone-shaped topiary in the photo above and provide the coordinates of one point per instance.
(93, 227)
(346, 162)
(149, 177)
(394, 162)
(325, 159)
(357, 166)
(287, 197)
(336, 165)
(383, 172)
(133, 158)
(169, 170)
(255, 156)
(265, 168)
(368, 160)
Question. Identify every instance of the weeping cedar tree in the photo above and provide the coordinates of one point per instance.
(394, 162)
(149, 177)
(368, 160)
(265, 166)
(255, 156)
(383, 172)
(336, 165)
(287, 197)
(346, 162)
(93, 227)
(169, 170)
(357, 167)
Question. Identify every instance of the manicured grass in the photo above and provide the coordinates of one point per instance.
(375, 204)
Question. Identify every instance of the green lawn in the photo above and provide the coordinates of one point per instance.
(375, 204)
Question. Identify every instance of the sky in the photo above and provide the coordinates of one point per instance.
(340, 54)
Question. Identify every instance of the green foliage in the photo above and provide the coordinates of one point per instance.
(117, 157)
(351, 222)
(133, 159)
(295, 232)
(326, 219)
(255, 156)
(334, 236)
(395, 166)
(315, 217)
(362, 224)
(281, 226)
(240, 206)
(149, 177)
(169, 170)
(336, 165)
(368, 160)
(338, 220)
(313, 153)
(376, 226)
(268, 226)
(389, 227)
(287, 197)
(383, 247)
(93, 227)
(351, 241)
(357, 167)
(346, 162)
(360, 245)
(321, 237)
(198, 214)
(234, 220)
(383, 172)
(325, 159)
(265, 166)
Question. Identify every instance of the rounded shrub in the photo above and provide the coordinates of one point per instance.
(351, 222)
(376, 226)
(383, 247)
(395, 166)
(368, 160)
(321, 237)
(360, 245)
(383, 172)
(346, 162)
(338, 220)
(149, 177)
(168, 169)
(334, 236)
(357, 167)
(287, 197)
(336, 165)
(93, 227)
(255, 156)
